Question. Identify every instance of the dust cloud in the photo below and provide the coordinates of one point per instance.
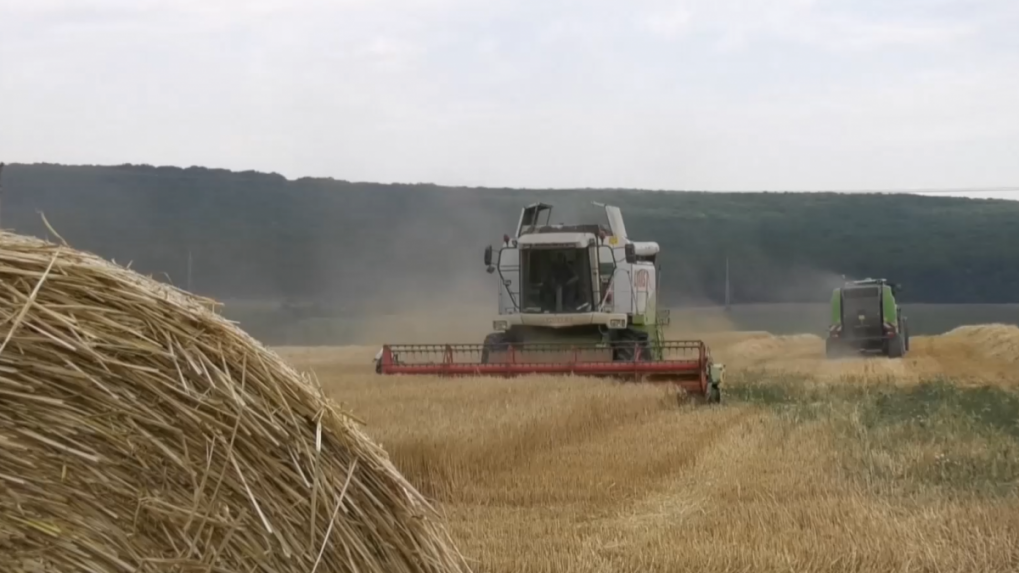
(426, 282)
(454, 302)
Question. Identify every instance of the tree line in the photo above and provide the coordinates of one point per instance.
(261, 236)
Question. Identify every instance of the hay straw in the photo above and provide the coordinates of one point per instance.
(141, 431)
(998, 341)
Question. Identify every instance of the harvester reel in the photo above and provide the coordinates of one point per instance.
(685, 364)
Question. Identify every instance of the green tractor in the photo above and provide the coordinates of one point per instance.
(867, 319)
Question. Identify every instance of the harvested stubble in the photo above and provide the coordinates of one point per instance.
(141, 431)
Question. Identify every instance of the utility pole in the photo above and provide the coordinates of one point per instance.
(727, 295)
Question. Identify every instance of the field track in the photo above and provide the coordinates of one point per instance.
(808, 465)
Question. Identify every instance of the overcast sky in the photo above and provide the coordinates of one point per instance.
(694, 94)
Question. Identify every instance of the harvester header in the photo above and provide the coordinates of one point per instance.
(573, 299)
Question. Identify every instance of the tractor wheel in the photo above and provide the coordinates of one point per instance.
(831, 349)
(896, 347)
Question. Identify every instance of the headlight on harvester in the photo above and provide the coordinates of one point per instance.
(617, 323)
(500, 325)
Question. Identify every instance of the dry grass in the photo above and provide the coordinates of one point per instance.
(809, 465)
(139, 431)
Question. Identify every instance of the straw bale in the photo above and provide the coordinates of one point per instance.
(141, 431)
(998, 341)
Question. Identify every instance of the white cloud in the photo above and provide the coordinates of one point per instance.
(670, 23)
(738, 24)
(791, 94)
(392, 52)
(842, 33)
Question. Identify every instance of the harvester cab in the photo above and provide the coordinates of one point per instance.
(573, 299)
(866, 318)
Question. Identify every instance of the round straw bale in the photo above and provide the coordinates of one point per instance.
(141, 431)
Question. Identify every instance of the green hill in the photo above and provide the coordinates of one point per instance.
(261, 236)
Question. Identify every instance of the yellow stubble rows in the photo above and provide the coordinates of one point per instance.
(573, 474)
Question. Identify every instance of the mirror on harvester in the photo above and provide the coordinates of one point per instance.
(631, 253)
(488, 260)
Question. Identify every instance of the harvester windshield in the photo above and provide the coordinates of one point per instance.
(556, 280)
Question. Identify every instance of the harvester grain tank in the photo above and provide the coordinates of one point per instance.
(573, 299)
(867, 318)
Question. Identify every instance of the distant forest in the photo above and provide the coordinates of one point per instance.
(256, 236)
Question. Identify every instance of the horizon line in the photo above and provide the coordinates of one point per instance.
(906, 191)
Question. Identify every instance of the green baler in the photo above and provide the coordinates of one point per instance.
(866, 318)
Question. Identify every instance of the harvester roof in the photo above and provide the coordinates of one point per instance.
(578, 240)
(592, 228)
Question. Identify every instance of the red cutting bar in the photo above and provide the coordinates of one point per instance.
(687, 367)
(688, 373)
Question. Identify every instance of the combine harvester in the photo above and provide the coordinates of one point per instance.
(573, 299)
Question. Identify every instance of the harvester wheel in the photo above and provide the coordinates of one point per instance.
(497, 342)
(714, 394)
(626, 343)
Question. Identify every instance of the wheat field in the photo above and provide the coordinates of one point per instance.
(807, 465)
